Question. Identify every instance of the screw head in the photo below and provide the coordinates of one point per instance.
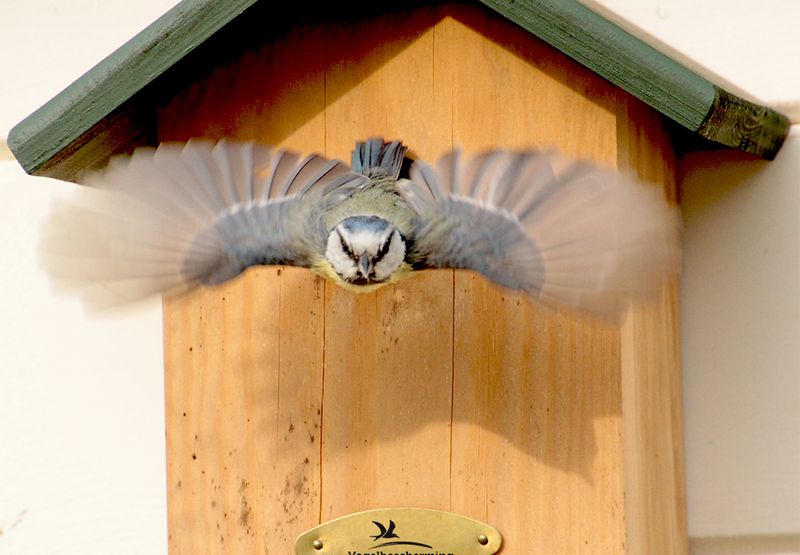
(316, 544)
(483, 540)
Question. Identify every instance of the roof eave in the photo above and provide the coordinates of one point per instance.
(46, 141)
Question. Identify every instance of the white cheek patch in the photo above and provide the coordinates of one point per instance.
(387, 265)
(340, 260)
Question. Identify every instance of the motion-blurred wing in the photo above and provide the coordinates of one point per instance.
(569, 233)
(165, 220)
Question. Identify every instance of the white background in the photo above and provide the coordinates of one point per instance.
(741, 343)
(82, 466)
(81, 399)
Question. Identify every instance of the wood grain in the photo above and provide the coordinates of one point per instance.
(748, 126)
(388, 354)
(304, 402)
(388, 383)
(655, 497)
(244, 468)
(536, 436)
(243, 396)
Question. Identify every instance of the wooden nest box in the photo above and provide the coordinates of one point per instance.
(290, 401)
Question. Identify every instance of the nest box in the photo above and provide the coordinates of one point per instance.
(290, 401)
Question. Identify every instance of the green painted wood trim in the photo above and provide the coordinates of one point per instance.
(750, 127)
(53, 133)
(43, 134)
(649, 75)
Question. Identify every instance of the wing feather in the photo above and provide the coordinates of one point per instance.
(168, 219)
(567, 232)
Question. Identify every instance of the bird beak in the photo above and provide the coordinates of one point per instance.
(364, 266)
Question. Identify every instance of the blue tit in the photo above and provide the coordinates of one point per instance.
(168, 219)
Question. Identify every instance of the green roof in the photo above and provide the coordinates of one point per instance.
(99, 113)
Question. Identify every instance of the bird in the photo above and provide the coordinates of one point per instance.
(385, 532)
(168, 219)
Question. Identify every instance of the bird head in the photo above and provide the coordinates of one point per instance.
(365, 250)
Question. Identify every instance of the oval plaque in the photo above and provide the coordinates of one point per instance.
(400, 532)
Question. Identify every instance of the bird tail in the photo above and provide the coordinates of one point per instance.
(377, 158)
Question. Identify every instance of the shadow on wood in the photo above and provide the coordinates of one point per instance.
(291, 401)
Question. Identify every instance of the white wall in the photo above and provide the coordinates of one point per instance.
(740, 311)
(81, 415)
(748, 47)
(741, 280)
(81, 400)
(46, 44)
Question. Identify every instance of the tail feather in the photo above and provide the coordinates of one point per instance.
(377, 158)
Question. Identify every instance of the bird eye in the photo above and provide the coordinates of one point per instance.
(384, 248)
(346, 247)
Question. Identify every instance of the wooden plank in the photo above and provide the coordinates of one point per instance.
(388, 354)
(387, 402)
(274, 93)
(537, 443)
(524, 91)
(243, 398)
(369, 89)
(655, 500)
(649, 75)
(255, 393)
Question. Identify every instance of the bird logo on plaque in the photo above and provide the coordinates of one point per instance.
(387, 532)
(401, 531)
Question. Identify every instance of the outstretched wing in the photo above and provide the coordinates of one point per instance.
(165, 220)
(569, 233)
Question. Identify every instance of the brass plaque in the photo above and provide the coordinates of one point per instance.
(400, 532)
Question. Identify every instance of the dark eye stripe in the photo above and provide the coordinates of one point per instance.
(346, 247)
(384, 248)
